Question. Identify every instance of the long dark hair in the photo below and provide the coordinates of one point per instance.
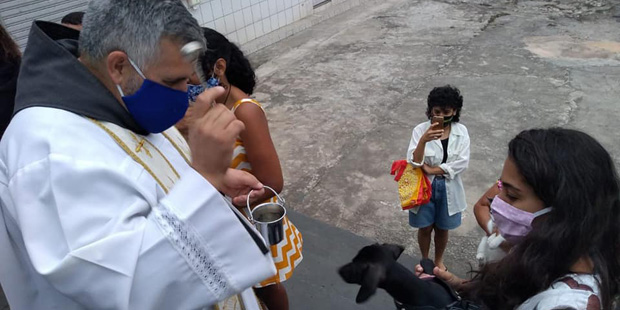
(571, 172)
(9, 51)
(239, 72)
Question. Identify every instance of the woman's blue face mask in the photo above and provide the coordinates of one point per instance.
(194, 90)
(155, 107)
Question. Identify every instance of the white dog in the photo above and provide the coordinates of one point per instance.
(488, 249)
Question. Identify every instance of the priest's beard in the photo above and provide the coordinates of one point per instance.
(133, 85)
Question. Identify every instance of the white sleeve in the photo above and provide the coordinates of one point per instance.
(565, 299)
(460, 164)
(413, 143)
(100, 238)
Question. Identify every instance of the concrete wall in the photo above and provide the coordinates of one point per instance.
(252, 24)
(244, 20)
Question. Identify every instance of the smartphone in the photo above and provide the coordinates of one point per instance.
(439, 121)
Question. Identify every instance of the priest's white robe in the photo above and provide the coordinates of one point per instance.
(84, 226)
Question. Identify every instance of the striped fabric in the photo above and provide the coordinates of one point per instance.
(286, 254)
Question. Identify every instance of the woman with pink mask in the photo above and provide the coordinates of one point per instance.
(559, 209)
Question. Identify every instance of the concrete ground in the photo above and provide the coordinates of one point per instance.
(343, 97)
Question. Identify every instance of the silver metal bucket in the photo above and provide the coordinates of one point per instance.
(268, 218)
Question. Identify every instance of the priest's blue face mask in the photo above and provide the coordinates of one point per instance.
(155, 107)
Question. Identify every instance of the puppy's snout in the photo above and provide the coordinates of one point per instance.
(351, 273)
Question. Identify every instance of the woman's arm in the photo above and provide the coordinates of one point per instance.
(418, 144)
(429, 170)
(418, 153)
(259, 148)
(482, 208)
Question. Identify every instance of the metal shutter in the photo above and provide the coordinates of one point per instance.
(18, 15)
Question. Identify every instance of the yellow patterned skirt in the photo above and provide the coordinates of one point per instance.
(286, 254)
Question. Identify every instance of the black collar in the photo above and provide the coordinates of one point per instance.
(52, 76)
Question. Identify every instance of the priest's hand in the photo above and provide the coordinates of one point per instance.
(211, 136)
(184, 124)
(238, 184)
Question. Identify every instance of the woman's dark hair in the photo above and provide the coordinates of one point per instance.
(446, 97)
(9, 51)
(239, 72)
(571, 172)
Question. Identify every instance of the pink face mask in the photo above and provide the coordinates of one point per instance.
(513, 223)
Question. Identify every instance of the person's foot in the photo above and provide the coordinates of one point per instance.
(419, 272)
(441, 266)
(424, 276)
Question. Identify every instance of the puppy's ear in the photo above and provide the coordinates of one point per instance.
(370, 281)
(352, 273)
(395, 249)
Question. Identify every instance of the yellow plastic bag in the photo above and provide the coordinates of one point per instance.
(414, 188)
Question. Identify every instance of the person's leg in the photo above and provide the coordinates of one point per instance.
(424, 240)
(443, 222)
(441, 242)
(423, 221)
(274, 296)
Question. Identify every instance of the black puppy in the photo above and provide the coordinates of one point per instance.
(376, 266)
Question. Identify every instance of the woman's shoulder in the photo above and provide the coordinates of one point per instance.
(249, 111)
(245, 102)
(460, 129)
(573, 291)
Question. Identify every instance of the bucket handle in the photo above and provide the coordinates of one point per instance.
(280, 200)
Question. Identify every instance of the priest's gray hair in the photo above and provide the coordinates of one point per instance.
(136, 28)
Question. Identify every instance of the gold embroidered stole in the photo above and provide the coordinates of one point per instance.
(144, 153)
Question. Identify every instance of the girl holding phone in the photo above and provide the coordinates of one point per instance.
(440, 147)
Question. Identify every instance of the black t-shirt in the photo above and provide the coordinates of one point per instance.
(8, 86)
(444, 143)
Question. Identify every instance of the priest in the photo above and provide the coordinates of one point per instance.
(102, 204)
